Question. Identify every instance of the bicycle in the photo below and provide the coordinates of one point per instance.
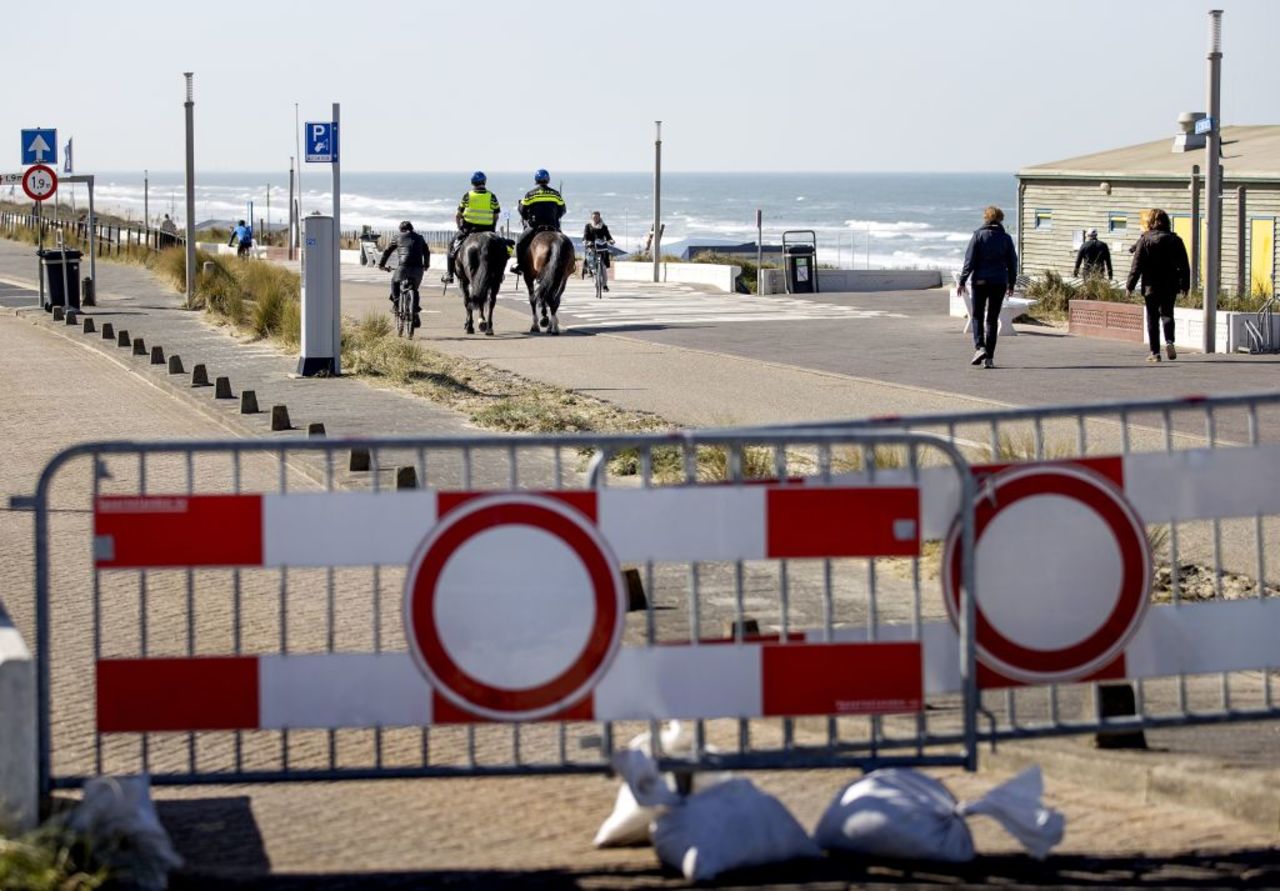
(597, 263)
(406, 295)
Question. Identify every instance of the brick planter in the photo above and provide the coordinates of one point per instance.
(1112, 321)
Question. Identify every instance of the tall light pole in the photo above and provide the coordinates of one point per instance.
(657, 198)
(191, 192)
(1213, 184)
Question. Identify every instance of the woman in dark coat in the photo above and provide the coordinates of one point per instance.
(992, 260)
(1160, 261)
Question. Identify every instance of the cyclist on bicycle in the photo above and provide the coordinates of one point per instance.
(596, 236)
(415, 260)
(477, 212)
(242, 238)
(541, 209)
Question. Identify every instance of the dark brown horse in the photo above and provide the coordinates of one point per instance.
(480, 266)
(546, 272)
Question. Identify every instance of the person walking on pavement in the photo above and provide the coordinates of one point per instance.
(1094, 256)
(1160, 262)
(477, 212)
(541, 209)
(992, 261)
(414, 260)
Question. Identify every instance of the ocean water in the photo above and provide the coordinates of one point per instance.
(889, 220)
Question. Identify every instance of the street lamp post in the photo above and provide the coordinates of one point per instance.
(1213, 185)
(657, 198)
(191, 192)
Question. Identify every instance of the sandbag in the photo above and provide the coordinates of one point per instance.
(905, 814)
(732, 825)
(629, 822)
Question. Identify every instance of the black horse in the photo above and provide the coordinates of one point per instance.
(547, 271)
(480, 266)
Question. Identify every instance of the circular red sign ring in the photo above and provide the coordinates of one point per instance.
(450, 679)
(48, 171)
(1086, 656)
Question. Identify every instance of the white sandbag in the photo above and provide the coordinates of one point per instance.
(1016, 805)
(730, 826)
(629, 822)
(906, 814)
(117, 812)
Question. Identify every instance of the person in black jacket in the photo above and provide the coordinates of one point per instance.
(992, 261)
(415, 259)
(1094, 256)
(1160, 261)
(596, 233)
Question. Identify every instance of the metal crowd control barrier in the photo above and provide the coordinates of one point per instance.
(1147, 559)
(258, 610)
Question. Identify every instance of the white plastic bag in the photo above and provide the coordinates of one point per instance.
(118, 812)
(731, 825)
(630, 821)
(905, 814)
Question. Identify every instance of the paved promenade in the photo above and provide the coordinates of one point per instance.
(63, 387)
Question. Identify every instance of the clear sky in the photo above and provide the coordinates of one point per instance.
(798, 85)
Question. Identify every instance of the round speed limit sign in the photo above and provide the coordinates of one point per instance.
(40, 182)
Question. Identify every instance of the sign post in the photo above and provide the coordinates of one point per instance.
(323, 148)
(759, 247)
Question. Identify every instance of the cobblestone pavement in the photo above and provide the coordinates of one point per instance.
(475, 832)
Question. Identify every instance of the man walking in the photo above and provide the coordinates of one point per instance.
(1094, 257)
(992, 260)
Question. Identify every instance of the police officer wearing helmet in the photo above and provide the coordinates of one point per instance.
(541, 209)
(477, 212)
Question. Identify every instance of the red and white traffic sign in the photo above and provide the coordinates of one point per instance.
(514, 606)
(1063, 573)
(40, 182)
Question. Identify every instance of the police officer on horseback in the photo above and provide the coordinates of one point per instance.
(477, 212)
(541, 209)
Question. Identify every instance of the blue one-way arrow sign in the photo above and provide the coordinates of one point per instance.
(39, 146)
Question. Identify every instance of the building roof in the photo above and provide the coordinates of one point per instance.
(1248, 153)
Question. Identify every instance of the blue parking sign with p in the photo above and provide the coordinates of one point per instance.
(322, 141)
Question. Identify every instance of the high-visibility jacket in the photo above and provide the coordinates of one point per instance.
(479, 207)
(542, 206)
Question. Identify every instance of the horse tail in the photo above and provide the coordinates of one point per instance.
(484, 274)
(549, 282)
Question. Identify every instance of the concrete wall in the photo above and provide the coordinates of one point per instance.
(18, 792)
(721, 278)
(843, 280)
(1082, 204)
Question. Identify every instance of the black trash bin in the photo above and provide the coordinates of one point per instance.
(800, 268)
(62, 277)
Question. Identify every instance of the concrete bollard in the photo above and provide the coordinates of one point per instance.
(122, 340)
(72, 318)
(139, 347)
(19, 759)
(248, 402)
(315, 428)
(406, 477)
(108, 331)
(57, 313)
(89, 327)
(280, 418)
(175, 364)
(1118, 701)
(635, 590)
(360, 459)
(157, 355)
(199, 376)
(750, 628)
(207, 267)
(222, 388)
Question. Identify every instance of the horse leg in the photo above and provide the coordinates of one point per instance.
(493, 299)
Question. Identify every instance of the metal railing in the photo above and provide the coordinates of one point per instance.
(94, 614)
(112, 239)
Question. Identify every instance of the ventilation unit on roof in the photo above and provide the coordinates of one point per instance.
(1189, 140)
